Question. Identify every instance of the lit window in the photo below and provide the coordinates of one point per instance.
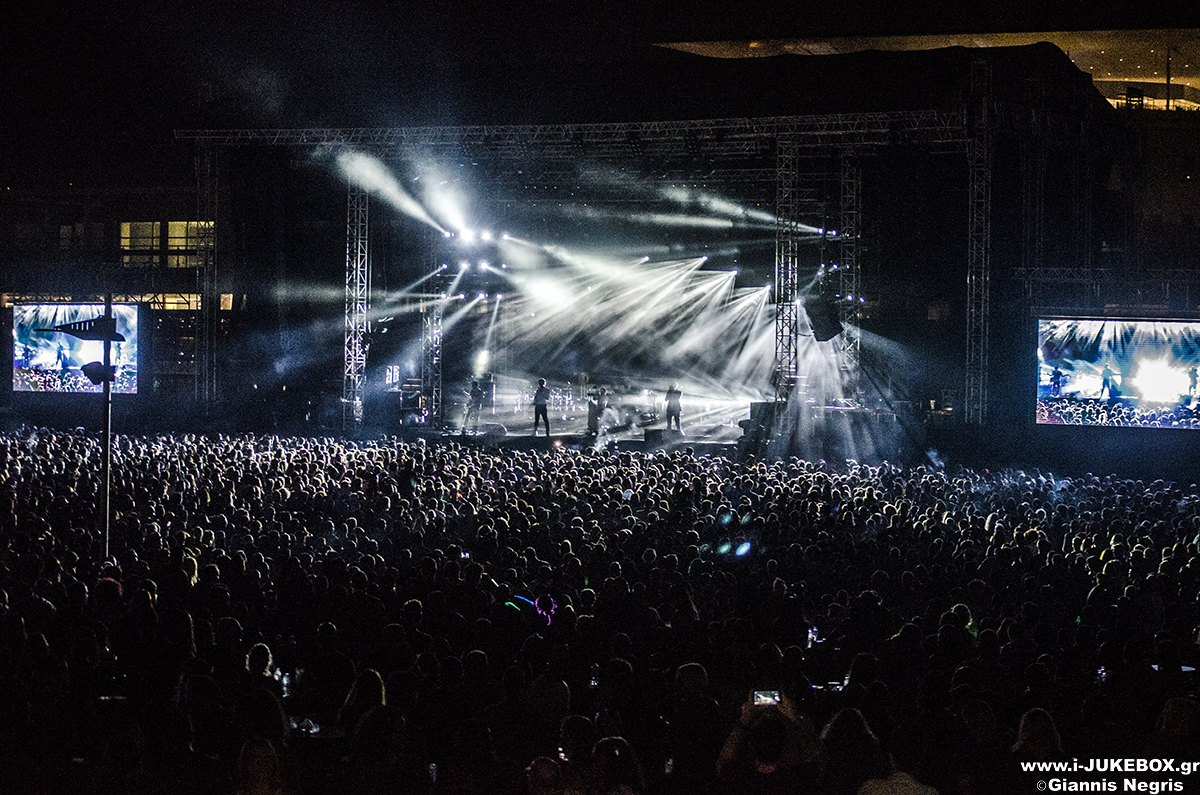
(139, 243)
(184, 240)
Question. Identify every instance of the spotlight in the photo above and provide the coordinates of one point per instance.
(483, 264)
(446, 233)
(485, 236)
(444, 265)
(735, 272)
(499, 296)
(467, 236)
(481, 295)
(504, 236)
(462, 266)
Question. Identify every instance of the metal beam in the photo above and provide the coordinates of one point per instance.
(358, 283)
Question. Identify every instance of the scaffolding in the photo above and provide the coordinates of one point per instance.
(206, 273)
(358, 297)
(849, 272)
(979, 199)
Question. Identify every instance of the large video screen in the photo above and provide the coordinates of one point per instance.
(52, 361)
(1133, 373)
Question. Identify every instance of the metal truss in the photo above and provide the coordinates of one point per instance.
(750, 138)
(431, 338)
(849, 272)
(1033, 180)
(979, 191)
(206, 274)
(1127, 287)
(787, 261)
(431, 362)
(358, 285)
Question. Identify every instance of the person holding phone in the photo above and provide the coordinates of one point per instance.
(773, 747)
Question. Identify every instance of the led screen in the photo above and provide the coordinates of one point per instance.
(51, 361)
(1134, 373)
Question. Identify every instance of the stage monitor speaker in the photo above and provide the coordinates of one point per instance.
(823, 318)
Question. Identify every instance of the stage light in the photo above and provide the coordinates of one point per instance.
(742, 549)
(735, 271)
(483, 264)
(485, 236)
(444, 265)
(468, 237)
(504, 236)
(481, 295)
(446, 233)
(462, 266)
(1158, 382)
(499, 296)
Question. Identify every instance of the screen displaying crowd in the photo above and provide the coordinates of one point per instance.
(1118, 372)
(46, 360)
(321, 615)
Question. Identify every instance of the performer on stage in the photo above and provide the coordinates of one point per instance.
(1192, 381)
(597, 403)
(673, 396)
(1106, 382)
(474, 403)
(541, 400)
(1056, 381)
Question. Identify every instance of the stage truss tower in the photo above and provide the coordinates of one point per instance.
(358, 302)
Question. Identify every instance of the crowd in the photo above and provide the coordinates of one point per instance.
(330, 616)
(1070, 411)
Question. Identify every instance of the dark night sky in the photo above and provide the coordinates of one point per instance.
(91, 93)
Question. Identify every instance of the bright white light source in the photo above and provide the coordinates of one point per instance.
(1158, 382)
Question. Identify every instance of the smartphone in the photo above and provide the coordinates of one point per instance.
(762, 697)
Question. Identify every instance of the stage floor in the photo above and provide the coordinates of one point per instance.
(568, 425)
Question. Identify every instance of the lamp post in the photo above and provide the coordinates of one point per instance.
(103, 328)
